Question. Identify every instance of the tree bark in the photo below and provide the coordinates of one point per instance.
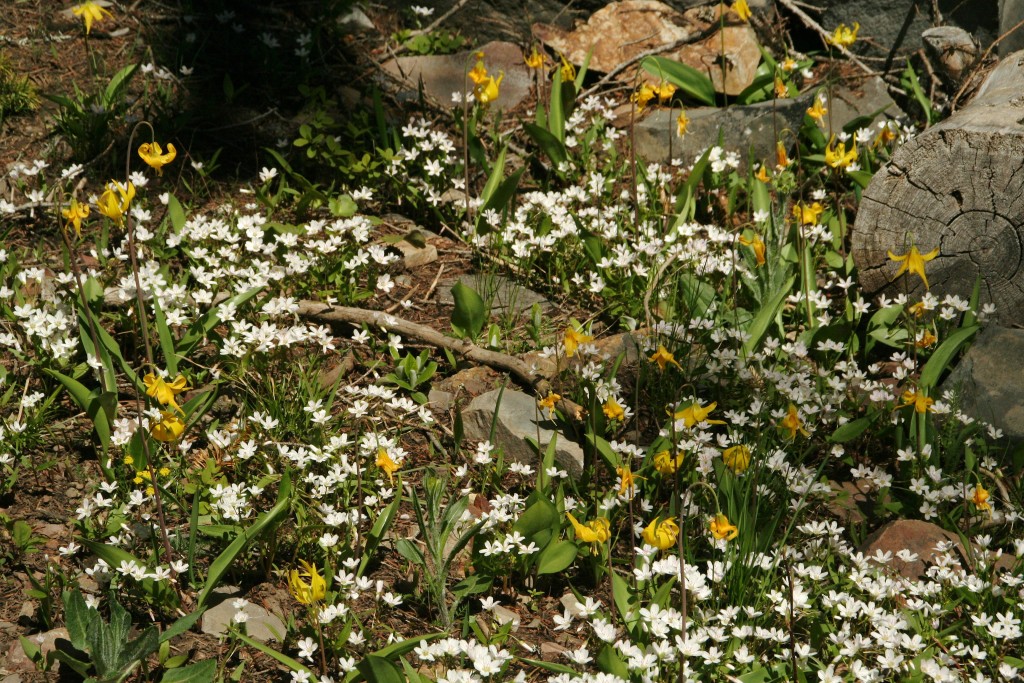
(958, 187)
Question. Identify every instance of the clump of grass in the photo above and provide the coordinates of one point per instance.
(17, 94)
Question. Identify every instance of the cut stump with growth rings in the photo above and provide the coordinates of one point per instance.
(958, 187)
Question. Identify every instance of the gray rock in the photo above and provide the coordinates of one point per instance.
(18, 661)
(755, 126)
(413, 256)
(13, 678)
(519, 417)
(503, 615)
(952, 49)
(990, 380)
(882, 22)
(502, 293)
(1011, 13)
(261, 624)
(442, 75)
(920, 538)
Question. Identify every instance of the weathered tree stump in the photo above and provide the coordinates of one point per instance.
(958, 186)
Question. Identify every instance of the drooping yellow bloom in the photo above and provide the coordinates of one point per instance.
(721, 528)
(818, 110)
(838, 157)
(737, 458)
(695, 414)
(568, 70)
(661, 533)
(807, 214)
(385, 462)
(781, 89)
(612, 409)
(90, 12)
(742, 10)
(922, 404)
(844, 36)
(665, 91)
(153, 155)
(781, 158)
(535, 60)
(980, 498)
(163, 391)
(489, 89)
(792, 422)
(663, 357)
(627, 481)
(478, 74)
(573, 339)
(925, 338)
(75, 213)
(682, 124)
(595, 531)
(666, 464)
(644, 94)
(114, 201)
(762, 174)
(916, 310)
(305, 592)
(913, 262)
(757, 245)
(169, 428)
(550, 401)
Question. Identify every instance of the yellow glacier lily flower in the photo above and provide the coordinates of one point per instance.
(550, 402)
(612, 410)
(573, 339)
(163, 391)
(695, 414)
(721, 528)
(682, 124)
(742, 10)
(922, 404)
(757, 245)
(385, 462)
(980, 498)
(153, 155)
(627, 481)
(90, 12)
(818, 110)
(808, 214)
(792, 422)
(114, 201)
(535, 60)
(595, 531)
(478, 74)
(75, 213)
(737, 458)
(845, 36)
(644, 94)
(838, 157)
(665, 91)
(169, 428)
(305, 592)
(489, 89)
(663, 357)
(913, 262)
(665, 464)
(781, 158)
(661, 533)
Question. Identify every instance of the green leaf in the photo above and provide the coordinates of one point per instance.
(181, 625)
(197, 672)
(117, 83)
(548, 143)
(379, 670)
(282, 658)
(410, 551)
(686, 78)
(380, 527)
(78, 617)
(540, 516)
(469, 314)
(176, 213)
(940, 360)
(851, 430)
(497, 174)
(202, 326)
(166, 339)
(556, 557)
(156, 591)
(609, 662)
(765, 317)
(220, 566)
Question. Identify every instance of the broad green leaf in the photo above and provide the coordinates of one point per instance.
(166, 339)
(379, 670)
(280, 657)
(769, 309)
(556, 557)
(220, 566)
(181, 625)
(176, 213)
(469, 314)
(940, 360)
(380, 527)
(609, 662)
(197, 672)
(548, 143)
(851, 430)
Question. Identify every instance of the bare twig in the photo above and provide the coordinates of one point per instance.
(978, 63)
(810, 23)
